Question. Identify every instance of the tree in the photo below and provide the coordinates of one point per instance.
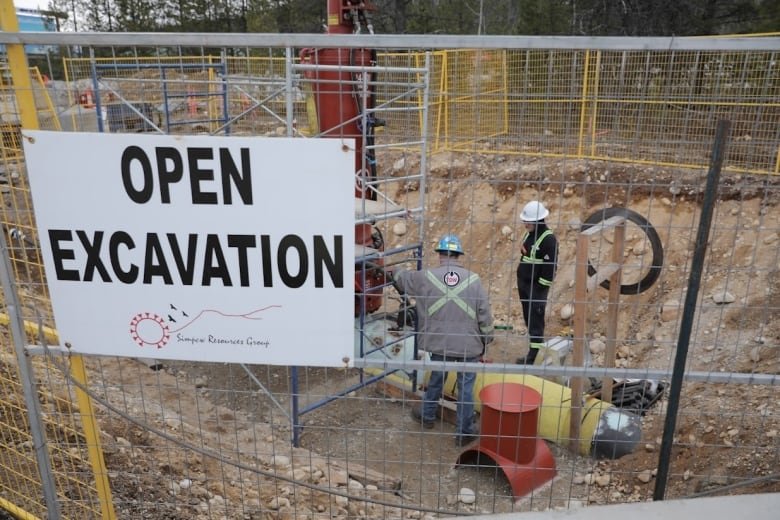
(767, 17)
(661, 17)
(527, 17)
(136, 15)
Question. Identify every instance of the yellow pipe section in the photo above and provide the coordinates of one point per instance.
(17, 511)
(20, 71)
(555, 412)
(33, 330)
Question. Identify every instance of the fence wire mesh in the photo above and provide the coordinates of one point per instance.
(655, 107)
(468, 137)
(60, 413)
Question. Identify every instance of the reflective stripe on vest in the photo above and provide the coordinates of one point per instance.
(450, 294)
(531, 257)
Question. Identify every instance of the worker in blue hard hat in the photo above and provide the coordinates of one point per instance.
(535, 273)
(455, 324)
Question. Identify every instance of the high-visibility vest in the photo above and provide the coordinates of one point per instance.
(452, 295)
(530, 258)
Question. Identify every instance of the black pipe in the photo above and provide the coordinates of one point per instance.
(686, 323)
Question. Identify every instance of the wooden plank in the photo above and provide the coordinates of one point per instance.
(388, 389)
(578, 357)
(618, 247)
(604, 225)
(603, 273)
(447, 408)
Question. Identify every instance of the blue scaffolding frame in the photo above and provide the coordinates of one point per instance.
(97, 68)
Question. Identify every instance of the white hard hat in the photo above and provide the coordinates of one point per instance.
(534, 211)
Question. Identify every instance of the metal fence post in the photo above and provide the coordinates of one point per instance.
(34, 414)
(686, 323)
(288, 94)
(96, 90)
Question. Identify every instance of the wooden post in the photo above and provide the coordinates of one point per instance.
(582, 286)
(580, 311)
(618, 245)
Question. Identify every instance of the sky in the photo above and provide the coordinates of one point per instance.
(32, 4)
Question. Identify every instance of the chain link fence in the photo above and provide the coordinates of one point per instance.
(455, 141)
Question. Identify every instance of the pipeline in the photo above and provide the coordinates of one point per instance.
(335, 103)
(33, 330)
(16, 511)
(606, 431)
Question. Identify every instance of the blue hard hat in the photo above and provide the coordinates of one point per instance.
(449, 244)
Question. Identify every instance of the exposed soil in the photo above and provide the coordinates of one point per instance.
(725, 433)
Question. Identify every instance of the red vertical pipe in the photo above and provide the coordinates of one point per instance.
(338, 106)
(338, 101)
(509, 419)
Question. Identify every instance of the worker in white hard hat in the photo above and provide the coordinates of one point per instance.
(535, 273)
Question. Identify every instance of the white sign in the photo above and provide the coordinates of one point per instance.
(229, 249)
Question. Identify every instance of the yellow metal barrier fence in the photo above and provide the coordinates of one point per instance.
(649, 107)
(73, 456)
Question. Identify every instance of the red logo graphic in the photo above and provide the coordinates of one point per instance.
(149, 329)
(451, 279)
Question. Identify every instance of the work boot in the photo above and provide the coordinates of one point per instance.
(418, 417)
(463, 439)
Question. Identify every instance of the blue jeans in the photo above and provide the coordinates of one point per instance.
(465, 407)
